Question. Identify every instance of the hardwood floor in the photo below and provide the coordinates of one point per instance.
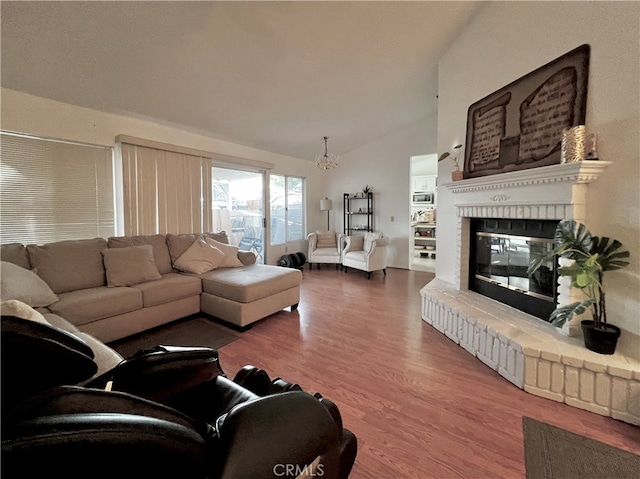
(421, 406)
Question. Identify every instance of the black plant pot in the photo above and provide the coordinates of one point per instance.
(601, 341)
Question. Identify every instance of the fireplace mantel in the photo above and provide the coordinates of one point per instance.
(582, 172)
(555, 192)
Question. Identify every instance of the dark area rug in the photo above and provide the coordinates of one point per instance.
(553, 453)
(196, 331)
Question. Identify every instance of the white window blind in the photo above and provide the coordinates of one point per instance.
(165, 192)
(53, 190)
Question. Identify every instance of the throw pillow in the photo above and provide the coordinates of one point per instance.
(246, 257)
(178, 244)
(158, 243)
(369, 238)
(230, 252)
(199, 258)
(24, 285)
(13, 307)
(326, 240)
(221, 236)
(130, 265)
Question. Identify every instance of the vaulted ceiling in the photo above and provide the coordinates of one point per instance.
(273, 75)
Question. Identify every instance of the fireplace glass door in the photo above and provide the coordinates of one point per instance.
(503, 259)
(501, 252)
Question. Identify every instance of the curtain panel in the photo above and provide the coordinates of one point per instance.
(165, 192)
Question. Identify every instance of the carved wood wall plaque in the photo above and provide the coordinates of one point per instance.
(520, 126)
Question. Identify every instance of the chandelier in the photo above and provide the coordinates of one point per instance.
(326, 161)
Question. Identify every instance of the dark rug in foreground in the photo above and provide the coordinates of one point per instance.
(553, 453)
(188, 332)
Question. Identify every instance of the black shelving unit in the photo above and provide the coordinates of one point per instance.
(358, 212)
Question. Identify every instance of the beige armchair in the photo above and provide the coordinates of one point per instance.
(325, 247)
(366, 252)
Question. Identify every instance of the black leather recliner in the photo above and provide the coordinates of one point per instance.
(164, 413)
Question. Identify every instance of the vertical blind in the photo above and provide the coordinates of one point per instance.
(165, 192)
(53, 190)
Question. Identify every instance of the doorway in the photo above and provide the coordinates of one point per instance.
(422, 214)
(238, 208)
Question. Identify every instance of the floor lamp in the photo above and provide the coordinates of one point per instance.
(326, 205)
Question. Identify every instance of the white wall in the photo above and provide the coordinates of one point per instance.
(424, 165)
(384, 165)
(38, 116)
(507, 40)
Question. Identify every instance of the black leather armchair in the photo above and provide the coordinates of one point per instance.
(165, 413)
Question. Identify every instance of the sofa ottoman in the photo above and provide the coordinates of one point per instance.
(244, 295)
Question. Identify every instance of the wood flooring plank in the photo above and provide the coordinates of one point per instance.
(420, 405)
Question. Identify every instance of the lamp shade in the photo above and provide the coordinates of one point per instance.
(326, 205)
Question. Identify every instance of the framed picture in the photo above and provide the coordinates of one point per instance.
(520, 126)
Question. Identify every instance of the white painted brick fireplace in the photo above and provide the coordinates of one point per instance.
(529, 352)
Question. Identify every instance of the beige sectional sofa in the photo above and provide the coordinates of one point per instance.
(113, 288)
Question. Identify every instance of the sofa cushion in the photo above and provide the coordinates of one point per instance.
(158, 242)
(60, 323)
(230, 253)
(13, 307)
(24, 285)
(130, 265)
(171, 287)
(359, 256)
(178, 244)
(326, 239)
(91, 304)
(200, 257)
(15, 253)
(69, 265)
(249, 283)
(326, 255)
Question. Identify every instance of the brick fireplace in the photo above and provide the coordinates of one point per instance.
(530, 353)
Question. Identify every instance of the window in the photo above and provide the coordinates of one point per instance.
(286, 208)
(53, 190)
(238, 208)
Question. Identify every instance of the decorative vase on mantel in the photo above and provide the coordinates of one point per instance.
(457, 175)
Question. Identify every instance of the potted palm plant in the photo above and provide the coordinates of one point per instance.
(591, 256)
(457, 174)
